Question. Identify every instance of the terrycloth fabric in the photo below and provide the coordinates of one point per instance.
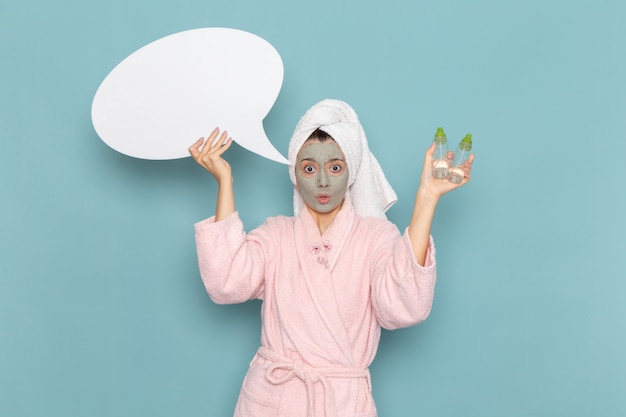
(325, 298)
(369, 190)
(284, 369)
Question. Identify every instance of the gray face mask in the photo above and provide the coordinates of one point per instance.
(322, 175)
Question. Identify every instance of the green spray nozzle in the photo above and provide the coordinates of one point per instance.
(440, 136)
(466, 143)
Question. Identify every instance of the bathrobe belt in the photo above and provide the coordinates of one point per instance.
(309, 375)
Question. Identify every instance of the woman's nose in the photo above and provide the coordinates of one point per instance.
(322, 180)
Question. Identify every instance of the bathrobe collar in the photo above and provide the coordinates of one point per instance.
(326, 248)
(318, 255)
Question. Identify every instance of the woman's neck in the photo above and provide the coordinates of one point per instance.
(324, 220)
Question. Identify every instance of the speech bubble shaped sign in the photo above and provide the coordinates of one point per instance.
(163, 97)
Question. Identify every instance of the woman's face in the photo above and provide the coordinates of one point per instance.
(322, 175)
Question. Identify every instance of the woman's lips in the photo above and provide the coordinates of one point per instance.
(323, 198)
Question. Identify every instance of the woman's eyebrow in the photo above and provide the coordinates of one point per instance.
(329, 161)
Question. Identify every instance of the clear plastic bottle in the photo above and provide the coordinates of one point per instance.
(440, 158)
(462, 153)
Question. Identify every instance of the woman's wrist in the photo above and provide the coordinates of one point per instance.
(426, 197)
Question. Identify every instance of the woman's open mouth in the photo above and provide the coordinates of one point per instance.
(323, 198)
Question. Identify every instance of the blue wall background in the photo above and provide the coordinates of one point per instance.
(102, 312)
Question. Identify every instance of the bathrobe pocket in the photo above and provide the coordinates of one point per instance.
(258, 397)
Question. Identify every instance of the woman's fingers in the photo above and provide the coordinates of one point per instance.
(194, 150)
(215, 144)
(224, 146)
(218, 144)
(212, 146)
(430, 151)
(210, 141)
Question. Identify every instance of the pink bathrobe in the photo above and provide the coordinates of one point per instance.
(325, 298)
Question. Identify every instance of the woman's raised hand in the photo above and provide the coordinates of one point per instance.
(208, 153)
(439, 187)
(426, 200)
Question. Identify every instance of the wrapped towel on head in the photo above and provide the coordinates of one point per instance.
(368, 190)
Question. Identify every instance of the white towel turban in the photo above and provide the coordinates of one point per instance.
(369, 191)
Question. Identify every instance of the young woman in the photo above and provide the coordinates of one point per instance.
(330, 277)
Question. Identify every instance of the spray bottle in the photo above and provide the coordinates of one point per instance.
(440, 158)
(457, 172)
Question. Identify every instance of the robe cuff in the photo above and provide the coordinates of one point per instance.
(429, 261)
(210, 222)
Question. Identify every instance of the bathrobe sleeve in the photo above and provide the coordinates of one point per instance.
(231, 262)
(402, 291)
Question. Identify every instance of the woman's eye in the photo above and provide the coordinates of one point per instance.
(309, 169)
(335, 168)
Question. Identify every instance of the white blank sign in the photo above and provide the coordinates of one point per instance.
(160, 99)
